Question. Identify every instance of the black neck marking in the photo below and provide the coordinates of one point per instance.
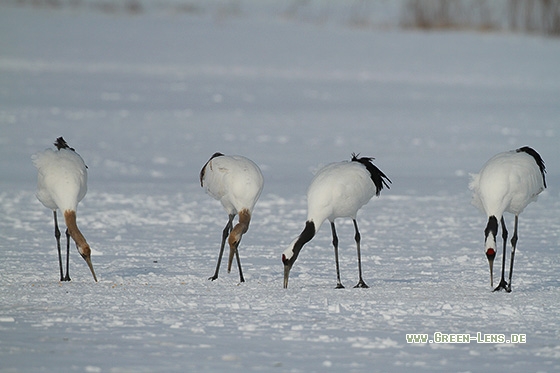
(306, 235)
(377, 176)
(538, 159)
(491, 227)
(217, 154)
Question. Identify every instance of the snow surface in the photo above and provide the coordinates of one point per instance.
(146, 100)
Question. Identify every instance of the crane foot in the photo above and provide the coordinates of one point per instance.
(503, 286)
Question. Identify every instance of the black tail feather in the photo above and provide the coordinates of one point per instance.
(538, 159)
(60, 143)
(217, 154)
(377, 176)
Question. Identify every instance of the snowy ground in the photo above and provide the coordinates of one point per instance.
(146, 100)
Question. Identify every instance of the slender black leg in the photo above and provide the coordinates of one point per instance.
(513, 247)
(503, 283)
(225, 234)
(57, 236)
(335, 244)
(67, 277)
(241, 278)
(357, 237)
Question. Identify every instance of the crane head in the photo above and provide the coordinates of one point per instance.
(490, 242)
(290, 255)
(85, 252)
(490, 255)
(288, 263)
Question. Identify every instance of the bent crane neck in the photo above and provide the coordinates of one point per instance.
(241, 227)
(306, 235)
(74, 231)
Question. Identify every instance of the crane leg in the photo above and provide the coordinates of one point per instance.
(241, 278)
(335, 244)
(503, 283)
(357, 237)
(57, 236)
(67, 277)
(225, 234)
(513, 247)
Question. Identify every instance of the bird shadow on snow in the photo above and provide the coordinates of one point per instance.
(137, 271)
(397, 280)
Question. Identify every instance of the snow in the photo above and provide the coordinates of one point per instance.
(147, 99)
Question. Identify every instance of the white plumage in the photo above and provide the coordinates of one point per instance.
(61, 185)
(61, 178)
(237, 183)
(508, 182)
(338, 190)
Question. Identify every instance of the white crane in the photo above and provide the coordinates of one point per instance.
(61, 185)
(508, 182)
(237, 183)
(338, 190)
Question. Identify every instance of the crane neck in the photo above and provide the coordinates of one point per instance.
(241, 227)
(74, 231)
(306, 235)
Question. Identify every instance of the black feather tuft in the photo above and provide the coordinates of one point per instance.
(377, 176)
(217, 154)
(60, 143)
(538, 159)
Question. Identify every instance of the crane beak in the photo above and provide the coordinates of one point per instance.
(88, 261)
(490, 255)
(287, 269)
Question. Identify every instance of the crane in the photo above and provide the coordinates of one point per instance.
(509, 181)
(61, 185)
(237, 183)
(338, 190)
